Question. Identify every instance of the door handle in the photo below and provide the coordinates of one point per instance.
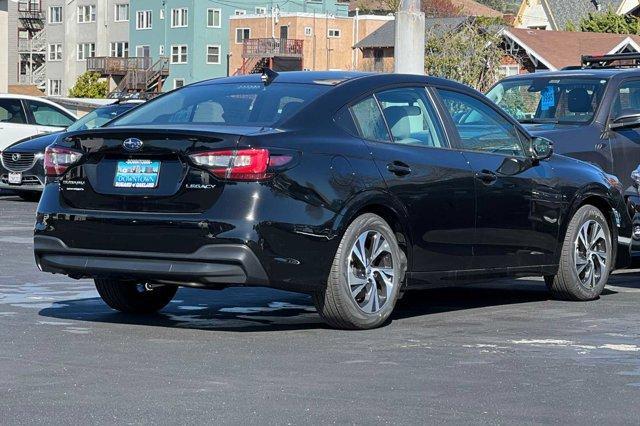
(399, 168)
(487, 177)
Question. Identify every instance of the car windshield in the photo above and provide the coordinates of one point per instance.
(540, 99)
(97, 118)
(227, 104)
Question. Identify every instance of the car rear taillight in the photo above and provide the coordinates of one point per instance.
(58, 159)
(242, 164)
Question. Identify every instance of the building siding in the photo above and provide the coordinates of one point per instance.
(70, 33)
(197, 36)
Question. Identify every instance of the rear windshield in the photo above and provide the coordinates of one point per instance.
(237, 104)
(568, 100)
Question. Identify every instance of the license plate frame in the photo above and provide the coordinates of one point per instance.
(15, 178)
(137, 174)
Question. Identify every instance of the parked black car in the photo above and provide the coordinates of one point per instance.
(349, 187)
(592, 114)
(21, 164)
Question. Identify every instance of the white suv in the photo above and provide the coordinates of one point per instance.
(24, 116)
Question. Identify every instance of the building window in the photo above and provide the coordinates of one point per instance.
(55, 52)
(509, 70)
(214, 18)
(121, 13)
(143, 51)
(179, 18)
(86, 50)
(162, 14)
(119, 49)
(261, 10)
(240, 12)
(143, 20)
(179, 54)
(55, 15)
(86, 14)
(54, 88)
(213, 54)
(242, 34)
(308, 31)
(161, 50)
(334, 33)
(178, 83)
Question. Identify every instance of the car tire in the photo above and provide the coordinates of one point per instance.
(133, 298)
(359, 295)
(586, 257)
(29, 196)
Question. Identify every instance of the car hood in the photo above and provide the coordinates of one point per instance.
(35, 143)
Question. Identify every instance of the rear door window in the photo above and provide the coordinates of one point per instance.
(370, 122)
(410, 117)
(11, 111)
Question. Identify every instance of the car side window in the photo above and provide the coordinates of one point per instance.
(481, 128)
(46, 115)
(410, 117)
(627, 101)
(11, 111)
(369, 120)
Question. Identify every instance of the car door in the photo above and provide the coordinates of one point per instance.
(625, 143)
(13, 122)
(405, 135)
(517, 200)
(48, 118)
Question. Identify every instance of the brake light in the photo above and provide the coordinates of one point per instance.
(57, 160)
(243, 164)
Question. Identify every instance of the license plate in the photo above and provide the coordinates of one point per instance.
(15, 178)
(137, 174)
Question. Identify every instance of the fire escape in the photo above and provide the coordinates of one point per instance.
(32, 44)
(138, 75)
(279, 54)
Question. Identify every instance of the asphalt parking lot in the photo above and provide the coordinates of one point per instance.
(492, 353)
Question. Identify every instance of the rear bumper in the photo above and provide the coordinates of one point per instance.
(212, 265)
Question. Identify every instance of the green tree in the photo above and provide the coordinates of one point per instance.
(470, 55)
(89, 85)
(607, 22)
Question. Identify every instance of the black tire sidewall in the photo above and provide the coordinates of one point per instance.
(368, 222)
(583, 215)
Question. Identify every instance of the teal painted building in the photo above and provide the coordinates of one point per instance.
(194, 34)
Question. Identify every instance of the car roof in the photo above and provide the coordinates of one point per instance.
(335, 78)
(605, 73)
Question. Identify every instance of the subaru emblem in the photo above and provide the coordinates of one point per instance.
(132, 144)
(16, 157)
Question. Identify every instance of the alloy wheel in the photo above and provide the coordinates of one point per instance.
(371, 271)
(591, 254)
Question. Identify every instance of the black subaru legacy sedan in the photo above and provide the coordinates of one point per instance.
(350, 187)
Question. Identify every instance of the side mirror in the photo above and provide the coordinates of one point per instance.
(630, 121)
(541, 148)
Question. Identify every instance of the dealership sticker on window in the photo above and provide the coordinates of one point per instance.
(548, 99)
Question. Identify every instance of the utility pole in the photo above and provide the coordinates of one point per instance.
(410, 39)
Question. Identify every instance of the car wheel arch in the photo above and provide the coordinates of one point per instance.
(598, 197)
(384, 205)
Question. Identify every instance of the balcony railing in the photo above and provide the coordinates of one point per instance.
(118, 66)
(272, 47)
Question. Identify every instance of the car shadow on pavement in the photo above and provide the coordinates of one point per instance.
(261, 309)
